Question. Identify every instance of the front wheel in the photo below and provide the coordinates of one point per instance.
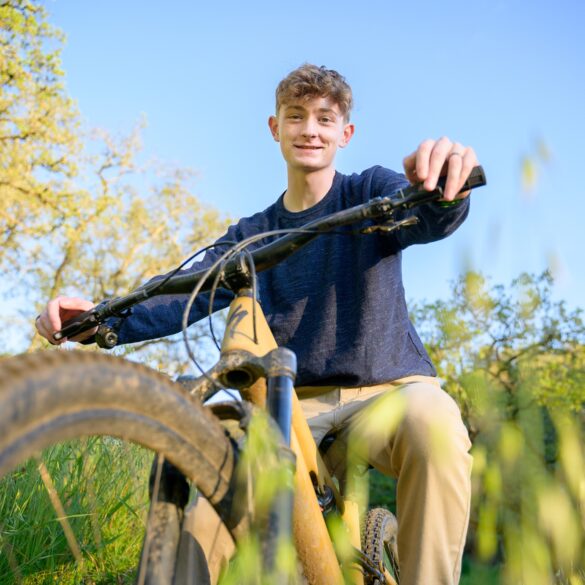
(66, 419)
(380, 545)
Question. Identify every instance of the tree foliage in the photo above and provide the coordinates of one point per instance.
(81, 212)
(515, 361)
(38, 130)
(516, 337)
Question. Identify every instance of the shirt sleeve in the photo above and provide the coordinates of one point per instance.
(162, 315)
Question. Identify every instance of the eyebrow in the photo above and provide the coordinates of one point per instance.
(321, 110)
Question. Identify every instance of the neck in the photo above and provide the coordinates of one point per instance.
(307, 189)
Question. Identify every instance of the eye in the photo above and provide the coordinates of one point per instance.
(326, 120)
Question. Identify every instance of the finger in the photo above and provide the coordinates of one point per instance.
(45, 330)
(38, 322)
(468, 163)
(62, 308)
(454, 167)
(53, 312)
(438, 156)
(75, 304)
(423, 155)
(40, 326)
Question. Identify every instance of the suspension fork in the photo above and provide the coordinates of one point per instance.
(247, 331)
(279, 525)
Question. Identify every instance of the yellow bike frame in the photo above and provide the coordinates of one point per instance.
(312, 541)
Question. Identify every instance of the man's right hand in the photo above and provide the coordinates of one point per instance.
(56, 312)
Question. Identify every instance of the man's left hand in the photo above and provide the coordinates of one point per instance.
(435, 158)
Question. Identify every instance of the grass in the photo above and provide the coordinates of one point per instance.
(102, 485)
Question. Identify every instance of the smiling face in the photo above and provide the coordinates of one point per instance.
(310, 131)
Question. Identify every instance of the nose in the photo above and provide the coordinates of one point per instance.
(310, 128)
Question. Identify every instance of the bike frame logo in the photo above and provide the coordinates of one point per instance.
(234, 320)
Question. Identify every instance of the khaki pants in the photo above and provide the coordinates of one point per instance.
(411, 430)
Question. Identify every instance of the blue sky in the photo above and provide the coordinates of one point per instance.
(497, 75)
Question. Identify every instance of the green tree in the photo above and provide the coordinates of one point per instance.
(515, 361)
(38, 130)
(516, 337)
(81, 212)
(133, 221)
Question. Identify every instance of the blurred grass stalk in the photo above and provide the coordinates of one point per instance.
(529, 493)
(102, 485)
(265, 476)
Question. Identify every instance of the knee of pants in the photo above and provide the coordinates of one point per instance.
(432, 426)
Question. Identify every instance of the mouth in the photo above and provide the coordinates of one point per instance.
(307, 147)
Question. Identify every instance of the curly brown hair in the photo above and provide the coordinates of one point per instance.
(309, 81)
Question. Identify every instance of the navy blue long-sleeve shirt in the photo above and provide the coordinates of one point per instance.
(339, 302)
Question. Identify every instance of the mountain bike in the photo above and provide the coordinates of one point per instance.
(54, 396)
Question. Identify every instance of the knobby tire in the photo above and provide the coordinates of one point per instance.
(55, 396)
(379, 543)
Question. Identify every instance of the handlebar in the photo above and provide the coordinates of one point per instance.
(269, 255)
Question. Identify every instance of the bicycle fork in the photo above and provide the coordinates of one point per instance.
(248, 333)
(279, 392)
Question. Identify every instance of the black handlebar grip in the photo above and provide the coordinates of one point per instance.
(476, 179)
(414, 195)
(76, 325)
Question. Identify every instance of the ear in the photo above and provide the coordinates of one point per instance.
(273, 125)
(348, 131)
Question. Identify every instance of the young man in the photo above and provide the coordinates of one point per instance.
(339, 304)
